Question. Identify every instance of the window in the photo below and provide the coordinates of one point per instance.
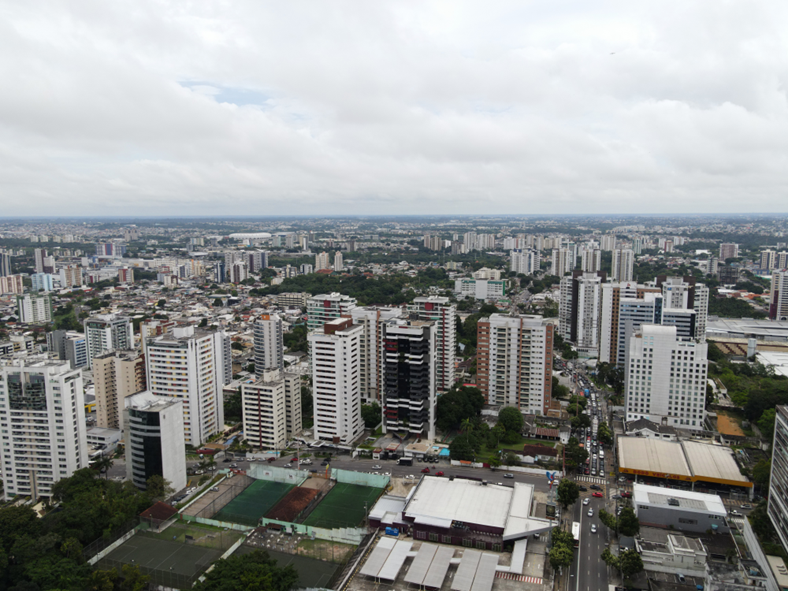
(688, 521)
(467, 543)
(446, 539)
(421, 535)
(433, 537)
(481, 545)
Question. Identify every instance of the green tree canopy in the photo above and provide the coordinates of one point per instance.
(511, 419)
(568, 493)
(457, 405)
(370, 413)
(628, 524)
(255, 571)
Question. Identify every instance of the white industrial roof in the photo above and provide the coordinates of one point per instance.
(712, 461)
(776, 359)
(657, 495)
(653, 455)
(387, 504)
(460, 500)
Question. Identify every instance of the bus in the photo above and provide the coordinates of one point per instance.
(576, 533)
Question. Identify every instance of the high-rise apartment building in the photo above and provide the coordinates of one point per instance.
(768, 260)
(608, 242)
(268, 344)
(371, 320)
(42, 415)
(580, 309)
(125, 275)
(444, 313)
(42, 282)
(336, 392)
(271, 409)
(728, 250)
(590, 260)
(480, 289)
(34, 308)
(524, 261)
(12, 284)
(685, 293)
(612, 294)
(778, 483)
(113, 250)
(563, 261)
(408, 377)
(116, 376)
(39, 254)
(192, 365)
(108, 332)
(515, 361)
(321, 261)
(778, 296)
(70, 276)
(623, 264)
(782, 260)
(69, 346)
(5, 264)
(633, 313)
(326, 307)
(338, 263)
(153, 428)
(665, 378)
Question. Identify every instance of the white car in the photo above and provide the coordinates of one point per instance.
(590, 512)
(586, 500)
(593, 528)
(376, 467)
(410, 477)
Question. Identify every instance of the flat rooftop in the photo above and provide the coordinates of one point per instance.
(469, 501)
(652, 455)
(690, 500)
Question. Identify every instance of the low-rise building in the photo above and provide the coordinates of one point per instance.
(679, 509)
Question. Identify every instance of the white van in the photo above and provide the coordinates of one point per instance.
(601, 454)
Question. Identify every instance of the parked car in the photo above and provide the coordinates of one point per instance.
(595, 487)
(590, 512)
(508, 475)
(598, 495)
(586, 500)
(626, 495)
(746, 506)
(271, 459)
(425, 470)
(583, 488)
(439, 473)
(233, 465)
(376, 467)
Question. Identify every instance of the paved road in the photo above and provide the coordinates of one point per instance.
(588, 569)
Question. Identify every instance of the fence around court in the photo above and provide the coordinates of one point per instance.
(360, 478)
(237, 485)
(165, 578)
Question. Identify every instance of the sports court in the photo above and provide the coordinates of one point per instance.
(343, 506)
(311, 573)
(254, 502)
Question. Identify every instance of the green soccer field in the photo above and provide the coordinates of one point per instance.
(343, 506)
(254, 502)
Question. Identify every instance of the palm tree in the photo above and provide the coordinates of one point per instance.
(466, 426)
(103, 464)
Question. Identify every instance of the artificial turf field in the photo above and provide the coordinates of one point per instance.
(343, 506)
(254, 502)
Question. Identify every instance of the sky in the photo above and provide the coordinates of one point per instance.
(334, 108)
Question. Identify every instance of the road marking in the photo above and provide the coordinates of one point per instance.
(521, 578)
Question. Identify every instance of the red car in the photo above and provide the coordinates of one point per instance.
(294, 460)
(598, 495)
(439, 473)
(626, 495)
(425, 470)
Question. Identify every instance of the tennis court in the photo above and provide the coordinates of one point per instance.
(312, 574)
(254, 502)
(343, 506)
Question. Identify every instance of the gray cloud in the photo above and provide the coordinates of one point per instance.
(390, 107)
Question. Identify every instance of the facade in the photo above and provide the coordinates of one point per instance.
(69, 346)
(768, 260)
(524, 261)
(154, 328)
(326, 307)
(514, 361)
(612, 293)
(408, 377)
(108, 333)
(590, 260)
(481, 289)
(271, 409)
(292, 299)
(336, 381)
(5, 264)
(12, 284)
(728, 250)
(114, 250)
(71, 276)
(191, 365)
(580, 309)
(685, 293)
(665, 378)
(116, 376)
(778, 484)
(153, 427)
(125, 275)
(778, 298)
(339, 265)
(372, 319)
(42, 281)
(682, 510)
(443, 313)
(321, 261)
(268, 344)
(34, 308)
(563, 261)
(634, 312)
(623, 264)
(39, 254)
(42, 408)
(608, 242)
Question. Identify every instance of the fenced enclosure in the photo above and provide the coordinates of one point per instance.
(253, 502)
(346, 505)
(207, 507)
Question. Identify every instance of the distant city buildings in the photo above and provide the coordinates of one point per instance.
(728, 250)
(34, 308)
(323, 308)
(108, 332)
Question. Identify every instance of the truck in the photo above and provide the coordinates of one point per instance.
(405, 461)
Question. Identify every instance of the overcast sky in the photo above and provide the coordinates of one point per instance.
(323, 107)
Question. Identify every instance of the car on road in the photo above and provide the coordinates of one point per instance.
(293, 459)
(597, 495)
(410, 477)
(582, 488)
(595, 487)
(593, 528)
(376, 467)
(439, 473)
(271, 459)
(508, 475)
(233, 465)
(746, 507)
(590, 512)
(586, 500)
(425, 470)
(622, 479)
(626, 495)
(735, 513)
(288, 465)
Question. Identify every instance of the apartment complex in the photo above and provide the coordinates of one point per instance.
(12, 284)
(336, 381)
(481, 289)
(192, 365)
(515, 361)
(408, 374)
(778, 485)
(728, 250)
(443, 313)
(153, 427)
(271, 409)
(623, 264)
(108, 333)
(525, 261)
(116, 376)
(268, 344)
(321, 261)
(371, 320)
(42, 415)
(70, 346)
(665, 378)
(778, 297)
(609, 328)
(590, 260)
(579, 309)
(326, 307)
(563, 261)
(34, 308)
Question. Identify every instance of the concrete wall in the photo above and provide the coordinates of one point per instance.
(346, 535)
(666, 516)
(277, 474)
(360, 478)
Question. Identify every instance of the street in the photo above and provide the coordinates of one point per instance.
(588, 570)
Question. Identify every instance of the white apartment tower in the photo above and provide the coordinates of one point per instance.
(608, 242)
(441, 311)
(778, 297)
(153, 428)
(665, 378)
(580, 309)
(623, 264)
(683, 293)
(34, 308)
(321, 261)
(191, 365)
(563, 261)
(42, 416)
(268, 344)
(371, 320)
(524, 261)
(515, 361)
(271, 409)
(590, 260)
(108, 333)
(326, 307)
(338, 263)
(336, 392)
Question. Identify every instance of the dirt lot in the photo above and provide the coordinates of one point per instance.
(729, 425)
(291, 506)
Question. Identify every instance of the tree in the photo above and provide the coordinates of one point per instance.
(628, 524)
(766, 423)
(233, 407)
(575, 455)
(761, 473)
(370, 413)
(457, 405)
(560, 556)
(568, 493)
(464, 447)
(255, 570)
(511, 419)
(630, 563)
(609, 558)
(103, 464)
(511, 459)
(158, 487)
(161, 303)
(608, 519)
(580, 422)
(603, 434)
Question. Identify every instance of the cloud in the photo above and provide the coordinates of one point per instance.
(155, 107)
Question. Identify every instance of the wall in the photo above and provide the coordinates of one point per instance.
(665, 516)
(520, 469)
(757, 553)
(277, 474)
(360, 478)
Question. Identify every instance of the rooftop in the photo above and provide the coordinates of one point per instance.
(694, 501)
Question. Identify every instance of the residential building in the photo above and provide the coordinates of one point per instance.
(125, 275)
(34, 308)
(681, 510)
(514, 361)
(292, 299)
(579, 309)
(485, 273)
(69, 346)
(237, 272)
(71, 276)
(39, 254)
(42, 282)
(778, 297)
(256, 260)
(608, 242)
(131, 233)
(326, 307)
(153, 428)
(113, 250)
(336, 391)
(590, 260)
(612, 293)
(271, 413)
(5, 264)
(371, 319)
(441, 311)
(321, 261)
(268, 344)
(481, 289)
(12, 284)
(42, 414)
(524, 261)
(728, 250)
(623, 264)
(338, 264)
(778, 485)
(768, 260)
(108, 332)
(563, 261)
(665, 378)
(154, 328)
(408, 361)
(116, 376)
(192, 365)
(685, 293)
(782, 260)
